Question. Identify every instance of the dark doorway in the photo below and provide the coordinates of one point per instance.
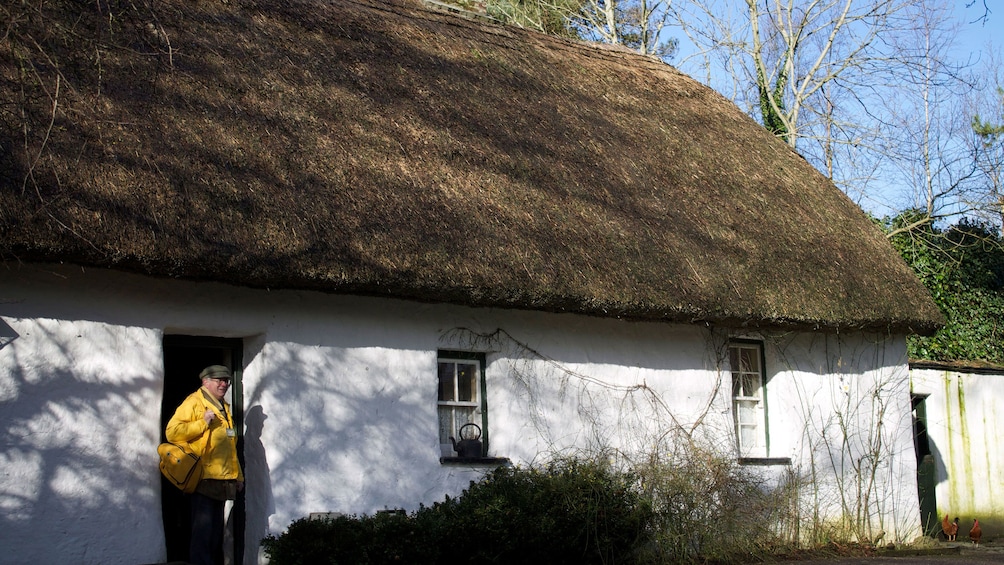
(184, 357)
(926, 475)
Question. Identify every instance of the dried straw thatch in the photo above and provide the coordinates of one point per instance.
(360, 146)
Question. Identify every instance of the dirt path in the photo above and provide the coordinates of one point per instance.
(944, 555)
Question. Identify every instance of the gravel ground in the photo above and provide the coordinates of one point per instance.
(945, 553)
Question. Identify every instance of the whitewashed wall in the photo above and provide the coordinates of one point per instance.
(846, 400)
(965, 421)
(344, 395)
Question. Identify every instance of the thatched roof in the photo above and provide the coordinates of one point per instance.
(383, 148)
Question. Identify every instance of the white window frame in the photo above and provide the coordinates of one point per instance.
(749, 397)
(453, 412)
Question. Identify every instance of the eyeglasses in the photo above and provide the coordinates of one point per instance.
(224, 381)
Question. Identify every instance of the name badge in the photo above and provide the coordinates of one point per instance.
(231, 432)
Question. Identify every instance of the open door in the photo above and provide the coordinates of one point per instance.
(926, 475)
(184, 358)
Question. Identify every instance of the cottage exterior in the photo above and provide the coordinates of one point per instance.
(391, 221)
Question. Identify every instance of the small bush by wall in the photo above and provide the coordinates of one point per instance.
(710, 509)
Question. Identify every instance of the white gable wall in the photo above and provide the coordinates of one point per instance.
(343, 396)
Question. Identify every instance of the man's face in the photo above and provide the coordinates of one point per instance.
(216, 387)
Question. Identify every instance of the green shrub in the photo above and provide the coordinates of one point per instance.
(569, 511)
(963, 268)
(380, 539)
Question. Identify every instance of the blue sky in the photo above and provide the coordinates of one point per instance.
(975, 35)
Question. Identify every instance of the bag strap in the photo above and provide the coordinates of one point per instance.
(209, 438)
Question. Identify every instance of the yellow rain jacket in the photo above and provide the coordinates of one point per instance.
(188, 426)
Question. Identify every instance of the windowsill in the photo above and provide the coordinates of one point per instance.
(765, 461)
(475, 461)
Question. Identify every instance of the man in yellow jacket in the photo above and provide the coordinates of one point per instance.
(204, 421)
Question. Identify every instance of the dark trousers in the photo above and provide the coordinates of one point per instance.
(207, 531)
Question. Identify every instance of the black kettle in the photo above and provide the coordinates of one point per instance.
(469, 446)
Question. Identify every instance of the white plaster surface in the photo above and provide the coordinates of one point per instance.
(340, 394)
(965, 422)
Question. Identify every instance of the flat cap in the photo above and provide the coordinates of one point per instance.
(215, 372)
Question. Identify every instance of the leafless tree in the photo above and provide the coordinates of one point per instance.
(931, 136)
(988, 140)
(865, 89)
(780, 55)
(636, 24)
(547, 16)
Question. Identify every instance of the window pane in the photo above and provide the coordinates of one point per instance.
(747, 360)
(747, 436)
(751, 385)
(747, 412)
(446, 389)
(445, 422)
(467, 385)
(461, 416)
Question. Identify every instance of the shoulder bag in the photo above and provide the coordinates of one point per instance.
(181, 465)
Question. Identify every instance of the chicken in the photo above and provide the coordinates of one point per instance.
(951, 529)
(976, 533)
(878, 538)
